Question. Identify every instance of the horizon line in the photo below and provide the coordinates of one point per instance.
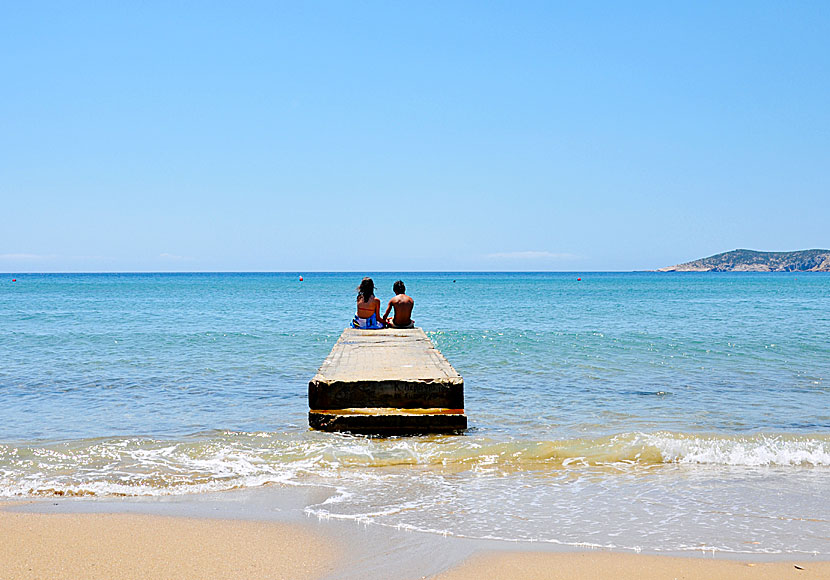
(359, 272)
(302, 272)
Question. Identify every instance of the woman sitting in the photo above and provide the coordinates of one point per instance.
(368, 307)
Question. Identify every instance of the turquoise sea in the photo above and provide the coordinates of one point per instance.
(645, 411)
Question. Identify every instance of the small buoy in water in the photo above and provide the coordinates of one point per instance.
(14, 279)
(579, 279)
(301, 278)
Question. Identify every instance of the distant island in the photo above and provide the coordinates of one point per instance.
(752, 261)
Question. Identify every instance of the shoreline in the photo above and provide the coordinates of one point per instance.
(263, 533)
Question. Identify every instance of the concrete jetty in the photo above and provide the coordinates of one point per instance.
(386, 381)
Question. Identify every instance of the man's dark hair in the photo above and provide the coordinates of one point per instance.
(398, 287)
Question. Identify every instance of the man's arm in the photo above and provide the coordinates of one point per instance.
(377, 311)
(388, 309)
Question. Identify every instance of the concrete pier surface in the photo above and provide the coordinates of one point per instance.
(386, 381)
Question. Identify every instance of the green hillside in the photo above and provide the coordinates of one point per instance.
(753, 261)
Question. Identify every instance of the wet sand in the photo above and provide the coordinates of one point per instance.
(264, 535)
(593, 565)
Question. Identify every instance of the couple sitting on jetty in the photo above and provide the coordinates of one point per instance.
(368, 308)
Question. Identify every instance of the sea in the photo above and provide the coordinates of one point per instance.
(665, 412)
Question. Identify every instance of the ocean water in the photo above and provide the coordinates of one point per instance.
(645, 411)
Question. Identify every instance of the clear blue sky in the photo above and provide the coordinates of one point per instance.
(363, 136)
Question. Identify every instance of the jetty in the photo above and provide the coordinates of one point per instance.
(389, 381)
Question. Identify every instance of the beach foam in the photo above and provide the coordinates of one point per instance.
(227, 460)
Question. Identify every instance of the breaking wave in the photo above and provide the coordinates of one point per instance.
(216, 461)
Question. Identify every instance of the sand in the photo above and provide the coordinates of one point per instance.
(614, 566)
(117, 546)
(126, 546)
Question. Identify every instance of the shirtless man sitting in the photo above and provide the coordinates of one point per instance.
(403, 305)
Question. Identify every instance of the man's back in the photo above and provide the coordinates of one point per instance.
(403, 306)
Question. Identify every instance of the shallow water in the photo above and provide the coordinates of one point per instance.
(639, 410)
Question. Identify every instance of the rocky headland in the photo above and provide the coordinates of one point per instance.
(753, 261)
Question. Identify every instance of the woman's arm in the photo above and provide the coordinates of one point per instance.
(377, 311)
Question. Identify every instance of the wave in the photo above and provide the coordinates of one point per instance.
(227, 460)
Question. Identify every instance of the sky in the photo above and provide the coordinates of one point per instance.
(408, 136)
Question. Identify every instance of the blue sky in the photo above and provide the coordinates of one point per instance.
(410, 136)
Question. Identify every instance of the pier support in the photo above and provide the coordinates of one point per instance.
(386, 381)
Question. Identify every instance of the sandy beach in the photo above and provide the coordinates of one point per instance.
(595, 565)
(126, 546)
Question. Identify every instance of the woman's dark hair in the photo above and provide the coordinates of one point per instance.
(366, 289)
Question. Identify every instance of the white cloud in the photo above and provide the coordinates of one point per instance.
(174, 257)
(532, 255)
(26, 256)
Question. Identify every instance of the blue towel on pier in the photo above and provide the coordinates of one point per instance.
(370, 323)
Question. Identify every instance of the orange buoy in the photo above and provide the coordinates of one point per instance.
(579, 279)
(301, 278)
(14, 279)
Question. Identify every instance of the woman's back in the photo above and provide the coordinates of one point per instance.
(366, 309)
